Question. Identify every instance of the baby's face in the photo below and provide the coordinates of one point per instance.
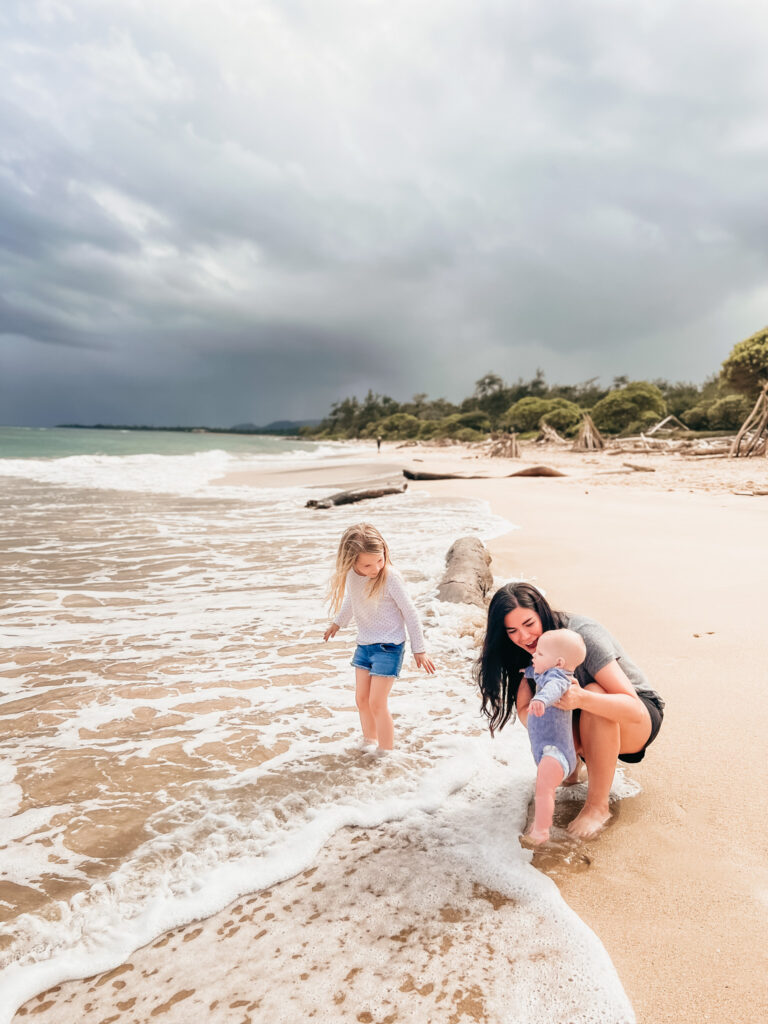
(545, 656)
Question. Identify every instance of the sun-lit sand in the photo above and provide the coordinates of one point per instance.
(674, 563)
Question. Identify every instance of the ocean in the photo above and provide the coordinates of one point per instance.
(175, 733)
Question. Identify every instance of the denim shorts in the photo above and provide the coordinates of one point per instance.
(380, 659)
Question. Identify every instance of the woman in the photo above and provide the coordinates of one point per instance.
(616, 714)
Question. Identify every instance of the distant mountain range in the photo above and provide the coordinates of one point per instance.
(276, 427)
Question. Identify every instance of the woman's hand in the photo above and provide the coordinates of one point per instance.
(332, 630)
(571, 699)
(425, 662)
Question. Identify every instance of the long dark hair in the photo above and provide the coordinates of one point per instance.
(498, 669)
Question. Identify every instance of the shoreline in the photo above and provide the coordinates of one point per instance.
(674, 894)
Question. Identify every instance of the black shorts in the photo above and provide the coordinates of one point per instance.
(655, 707)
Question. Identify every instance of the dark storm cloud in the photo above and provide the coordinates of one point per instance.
(249, 211)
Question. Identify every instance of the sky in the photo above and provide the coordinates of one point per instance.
(247, 210)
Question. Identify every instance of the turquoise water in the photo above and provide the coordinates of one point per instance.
(60, 442)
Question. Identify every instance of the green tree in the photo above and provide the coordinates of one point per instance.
(746, 368)
(399, 425)
(728, 412)
(633, 406)
(527, 414)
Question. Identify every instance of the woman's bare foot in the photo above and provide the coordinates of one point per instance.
(589, 821)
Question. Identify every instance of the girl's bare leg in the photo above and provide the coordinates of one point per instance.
(362, 699)
(548, 778)
(385, 728)
(601, 740)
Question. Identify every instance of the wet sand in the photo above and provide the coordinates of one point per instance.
(673, 562)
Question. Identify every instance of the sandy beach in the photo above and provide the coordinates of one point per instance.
(673, 562)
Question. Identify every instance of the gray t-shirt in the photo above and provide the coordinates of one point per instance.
(602, 649)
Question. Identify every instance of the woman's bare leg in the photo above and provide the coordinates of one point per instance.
(385, 727)
(362, 699)
(601, 740)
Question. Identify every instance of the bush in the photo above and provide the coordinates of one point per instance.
(475, 421)
(628, 406)
(643, 423)
(563, 415)
(746, 368)
(697, 418)
(728, 413)
(392, 428)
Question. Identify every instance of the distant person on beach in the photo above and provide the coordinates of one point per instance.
(367, 586)
(550, 729)
(378, 444)
(616, 714)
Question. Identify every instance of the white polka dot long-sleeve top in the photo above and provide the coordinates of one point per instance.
(382, 620)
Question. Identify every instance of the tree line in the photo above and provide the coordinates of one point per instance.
(626, 407)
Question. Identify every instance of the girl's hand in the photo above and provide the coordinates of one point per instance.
(536, 708)
(332, 630)
(425, 662)
(571, 699)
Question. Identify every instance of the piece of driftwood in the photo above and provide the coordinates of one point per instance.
(538, 471)
(752, 438)
(589, 438)
(504, 446)
(349, 497)
(467, 578)
(639, 469)
(548, 435)
(663, 425)
(422, 474)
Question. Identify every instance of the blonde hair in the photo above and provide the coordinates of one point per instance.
(360, 539)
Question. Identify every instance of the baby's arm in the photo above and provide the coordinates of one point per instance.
(551, 691)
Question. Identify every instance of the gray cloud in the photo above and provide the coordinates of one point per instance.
(245, 213)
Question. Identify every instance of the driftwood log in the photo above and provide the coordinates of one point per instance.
(589, 438)
(420, 474)
(753, 435)
(349, 497)
(412, 474)
(639, 469)
(538, 471)
(467, 577)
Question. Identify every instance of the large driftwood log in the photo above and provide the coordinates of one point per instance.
(349, 497)
(467, 577)
(419, 474)
(538, 471)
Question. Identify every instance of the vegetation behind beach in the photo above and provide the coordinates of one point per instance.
(722, 402)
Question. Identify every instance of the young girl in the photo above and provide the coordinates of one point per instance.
(373, 592)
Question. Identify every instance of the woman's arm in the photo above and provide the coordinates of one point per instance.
(523, 699)
(615, 698)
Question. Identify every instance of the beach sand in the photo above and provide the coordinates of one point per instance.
(676, 888)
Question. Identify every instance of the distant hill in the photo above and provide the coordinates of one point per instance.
(276, 427)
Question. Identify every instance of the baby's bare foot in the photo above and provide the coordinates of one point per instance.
(534, 837)
(589, 821)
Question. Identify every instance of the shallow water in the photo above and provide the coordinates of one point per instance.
(175, 732)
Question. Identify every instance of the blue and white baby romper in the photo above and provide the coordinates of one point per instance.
(552, 734)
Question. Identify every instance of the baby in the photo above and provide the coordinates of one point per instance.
(557, 654)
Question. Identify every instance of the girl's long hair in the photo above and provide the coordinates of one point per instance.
(498, 669)
(360, 539)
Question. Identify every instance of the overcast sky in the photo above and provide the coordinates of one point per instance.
(213, 213)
